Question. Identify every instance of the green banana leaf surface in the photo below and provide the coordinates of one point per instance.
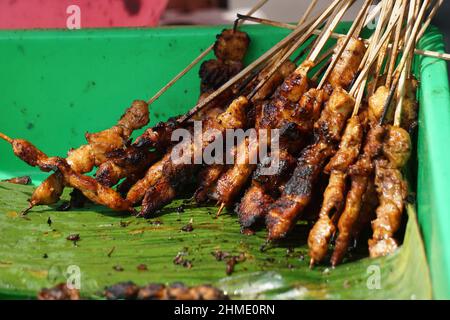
(113, 247)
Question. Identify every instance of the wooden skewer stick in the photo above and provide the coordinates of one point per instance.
(382, 55)
(267, 55)
(395, 47)
(222, 206)
(297, 44)
(321, 70)
(196, 60)
(6, 138)
(372, 53)
(429, 18)
(327, 34)
(276, 58)
(411, 41)
(300, 22)
(377, 49)
(307, 12)
(405, 72)
(334, 35)
(361, 17)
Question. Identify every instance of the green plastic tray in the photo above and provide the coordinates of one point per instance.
(57, 84)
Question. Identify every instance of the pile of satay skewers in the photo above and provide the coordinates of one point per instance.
(344, 133)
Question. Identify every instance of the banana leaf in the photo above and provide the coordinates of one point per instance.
(35, 253)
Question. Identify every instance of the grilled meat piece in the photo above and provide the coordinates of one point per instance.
(214, 73)
(376, 105)
(124, 163)
(284, 212)
(206, 179)
(360, 173)
(253, 205)
(231, 45)
(392, 191)
(320, 235)
(25, 180)
(232, 181)
(347, 66)
(348, 148)
(334, 195)
(410, 106)
(59, 292)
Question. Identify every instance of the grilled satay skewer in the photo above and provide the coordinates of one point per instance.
(157, 200)
(391, 185)
(310, 106)
(334, 195)
(348, 55)
(232, 118)
(90, 188)
(231, 183)
(230, 48)
(362, 172)
(83, 159)
(287, 209)
(158, 184)
(137, 192)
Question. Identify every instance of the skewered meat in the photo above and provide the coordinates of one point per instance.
(231, 45)
(214, 73)
(376, 104)
(296, 195)
(232, 180)
(83, 159)
(233, 117)
(25, 180)
(311, 102)
(93, 190)
(124, 163)
(360, 173)
(206, 179)
(257, 198)
(278, 113)
(392, 191)
(333, 202)
(273, 82)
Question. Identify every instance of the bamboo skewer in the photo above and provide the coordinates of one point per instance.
(374, 49)
(267, 55)
(395, 47)
(327, 34)
(340, 11)
(279, 58)
(6, 138)
(307, 12)
(377, 49)
(382, 55)
(430, 17)
(334, 35)
(405, 73)
(297, 44)
(196, 60)
(409, 46)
